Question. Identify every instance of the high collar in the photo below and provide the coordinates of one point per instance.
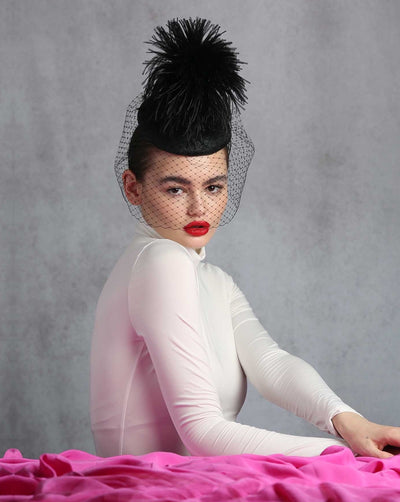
(144, 230)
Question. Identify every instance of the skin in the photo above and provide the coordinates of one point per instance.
(197, 193)
(170, 205)
(367, 438)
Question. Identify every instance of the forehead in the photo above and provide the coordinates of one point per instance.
(202, 167)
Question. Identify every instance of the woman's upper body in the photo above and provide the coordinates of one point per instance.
(174, 337)
(173, 343)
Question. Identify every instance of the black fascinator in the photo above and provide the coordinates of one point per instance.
(192, 83)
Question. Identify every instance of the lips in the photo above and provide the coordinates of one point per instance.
(197, 228)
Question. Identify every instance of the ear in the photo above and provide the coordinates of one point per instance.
(132, 187)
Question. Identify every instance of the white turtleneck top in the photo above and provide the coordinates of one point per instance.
(173, 342)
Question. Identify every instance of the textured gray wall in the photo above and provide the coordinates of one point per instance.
(315, 245)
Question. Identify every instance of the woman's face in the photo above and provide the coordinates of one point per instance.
(183, 198)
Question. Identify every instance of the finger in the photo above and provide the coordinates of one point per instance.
(381, 454)
(393, 436)
(372, 450)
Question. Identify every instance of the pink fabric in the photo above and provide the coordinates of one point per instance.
(336, 475)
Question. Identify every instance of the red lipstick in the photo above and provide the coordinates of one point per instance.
(197, 228)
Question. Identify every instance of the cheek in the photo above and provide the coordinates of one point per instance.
(171, 207)
(164, 210)
(220, 204)
(154, 201)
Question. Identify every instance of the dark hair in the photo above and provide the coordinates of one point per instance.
(139, 153)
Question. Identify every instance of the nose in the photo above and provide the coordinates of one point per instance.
(196, 205)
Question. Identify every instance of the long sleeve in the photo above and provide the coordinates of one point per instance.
(164, 307)
(280, 377)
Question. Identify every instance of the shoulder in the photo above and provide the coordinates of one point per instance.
(163, 249)
(160, 255)
(163, 275)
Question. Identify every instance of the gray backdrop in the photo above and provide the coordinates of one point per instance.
(315, 245)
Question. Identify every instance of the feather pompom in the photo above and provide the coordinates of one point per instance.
(192, 80)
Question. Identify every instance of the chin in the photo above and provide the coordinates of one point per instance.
(190, 241)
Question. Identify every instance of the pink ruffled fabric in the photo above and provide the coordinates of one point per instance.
(335, 476)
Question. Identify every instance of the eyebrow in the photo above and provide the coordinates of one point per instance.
(184, 181)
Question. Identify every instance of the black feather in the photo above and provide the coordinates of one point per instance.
(192, 80)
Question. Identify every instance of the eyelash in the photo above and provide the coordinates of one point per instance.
(219, 187)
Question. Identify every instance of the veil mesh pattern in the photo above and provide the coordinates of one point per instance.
(240, 153)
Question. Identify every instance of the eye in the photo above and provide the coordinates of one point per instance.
(215, 188)
(174, 190)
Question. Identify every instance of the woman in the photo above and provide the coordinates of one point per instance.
(174, 337)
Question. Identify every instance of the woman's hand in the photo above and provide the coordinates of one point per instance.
(367, 438)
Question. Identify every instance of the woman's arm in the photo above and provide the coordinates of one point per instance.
(280, 377)
(293, 384)
(165, 311)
